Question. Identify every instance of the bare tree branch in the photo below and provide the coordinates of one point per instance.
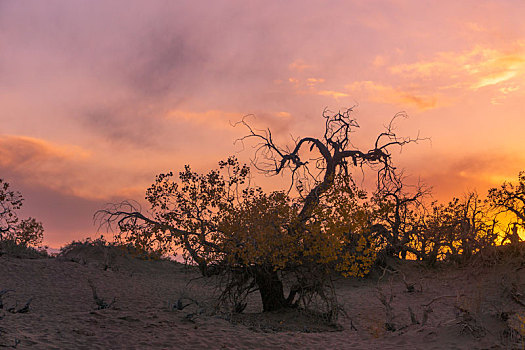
(335, 150)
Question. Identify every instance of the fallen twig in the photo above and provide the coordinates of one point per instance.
(25, 308)
(441, 297)
(101, 303)
(389, 310)
(2, 292)
(427, 311)
(413, 318)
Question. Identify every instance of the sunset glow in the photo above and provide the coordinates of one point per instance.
(98, 97)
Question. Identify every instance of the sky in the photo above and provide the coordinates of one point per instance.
(98, 97)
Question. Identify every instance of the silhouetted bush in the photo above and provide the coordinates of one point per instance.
(18, 237)
(15, 249)
(455, 231)
(103, 252)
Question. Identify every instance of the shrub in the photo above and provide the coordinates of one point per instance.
(17, 237)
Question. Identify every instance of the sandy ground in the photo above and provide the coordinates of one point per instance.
(475, 307)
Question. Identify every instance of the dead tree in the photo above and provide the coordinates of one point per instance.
(335, 156)
(186, 214)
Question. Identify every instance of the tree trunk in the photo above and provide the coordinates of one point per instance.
(271, 290)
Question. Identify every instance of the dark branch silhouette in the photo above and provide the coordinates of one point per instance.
(336, 154)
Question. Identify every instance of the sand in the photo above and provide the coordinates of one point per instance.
(473, 307)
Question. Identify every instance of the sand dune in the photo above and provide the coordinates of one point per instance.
(474, 307)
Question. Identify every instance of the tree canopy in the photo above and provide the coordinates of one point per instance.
(255, 240)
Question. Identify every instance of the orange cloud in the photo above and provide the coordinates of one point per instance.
(387, 94)
(453, 176)
(57, 166)
(313, 81)
(500, 69)
(472, 69)
(221, 120)
(474, 27)
(331, 93)
(299, 65)
(226, 124)
(379, 61)
(215, 119)
(68, 169)
(308, 87)
(22, 151)
(509, 89)
(283, 114)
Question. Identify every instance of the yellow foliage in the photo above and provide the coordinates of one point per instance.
(256, 230)
(264, 229)
(219, 219)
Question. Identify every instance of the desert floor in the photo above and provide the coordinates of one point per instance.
(471, 307)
